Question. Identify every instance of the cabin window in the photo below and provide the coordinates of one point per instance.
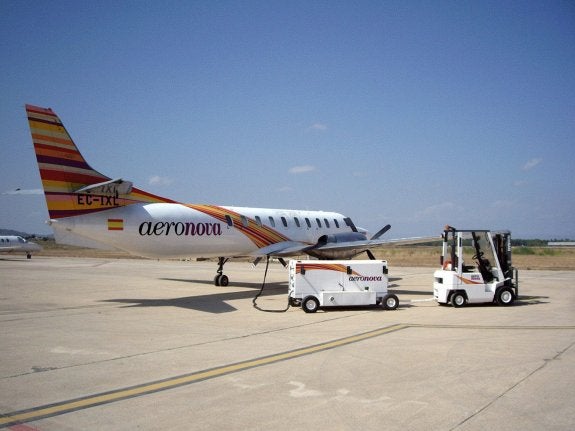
(326, 223)
(229, 221)
(244, 220)
(307, 222)
(318, 221)
(258, 220)
(296, 220)
(272, 222)
(336, 223)
(284, 221)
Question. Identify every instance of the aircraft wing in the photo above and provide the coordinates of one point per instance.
(283, 249)
(330, 248)
(371, 243)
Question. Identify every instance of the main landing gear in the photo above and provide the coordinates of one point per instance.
(221, 279)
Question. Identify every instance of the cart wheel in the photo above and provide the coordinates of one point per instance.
(390, 302)
(505, 297)
(310, 304)
(458, 300)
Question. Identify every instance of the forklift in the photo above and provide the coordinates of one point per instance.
(486, 276)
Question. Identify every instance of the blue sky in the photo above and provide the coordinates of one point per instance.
(413, 113)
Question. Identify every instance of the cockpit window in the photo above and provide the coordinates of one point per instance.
(229, 221)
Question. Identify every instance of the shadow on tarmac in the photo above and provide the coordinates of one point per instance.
(211, 303)
(248, 285)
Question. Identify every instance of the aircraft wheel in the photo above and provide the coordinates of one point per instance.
(221, 280)
(505, 297)
(390, 302)
(458, 300)
(310, 304)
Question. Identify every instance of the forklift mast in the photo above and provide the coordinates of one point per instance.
(502, 244)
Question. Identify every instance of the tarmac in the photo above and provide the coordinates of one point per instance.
(91, 343)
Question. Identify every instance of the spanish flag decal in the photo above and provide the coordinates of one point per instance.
(115, 224)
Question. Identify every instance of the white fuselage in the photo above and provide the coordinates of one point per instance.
(172, 230)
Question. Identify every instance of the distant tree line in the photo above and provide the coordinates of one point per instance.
(514, 242)
(535, 242)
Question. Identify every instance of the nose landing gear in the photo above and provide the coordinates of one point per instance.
(221, 279)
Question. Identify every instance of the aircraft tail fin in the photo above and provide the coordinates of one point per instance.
(71, 186)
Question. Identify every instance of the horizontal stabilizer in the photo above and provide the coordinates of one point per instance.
(113, 187)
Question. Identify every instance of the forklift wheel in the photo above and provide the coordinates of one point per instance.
(505, 297)
(458, 300)
(310, 304)
(390, 302)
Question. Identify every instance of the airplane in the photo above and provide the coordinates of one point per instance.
(90, 209)
(13, 243)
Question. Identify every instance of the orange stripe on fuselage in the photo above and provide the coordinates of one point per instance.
(261, 236)
(323, 266)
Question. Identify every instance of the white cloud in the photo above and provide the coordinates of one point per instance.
(157, 180)
(531, 164)
(318, 126)
(301, 169)
(285, 189)
(440, 211)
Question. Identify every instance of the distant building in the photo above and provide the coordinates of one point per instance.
(561, 244)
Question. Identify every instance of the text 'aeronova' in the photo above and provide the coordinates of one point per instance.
(179, 228)
(364, 278)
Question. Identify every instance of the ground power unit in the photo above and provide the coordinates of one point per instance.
(315, 284)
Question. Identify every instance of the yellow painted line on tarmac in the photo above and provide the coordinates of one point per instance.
(506, 327)
(42, 412)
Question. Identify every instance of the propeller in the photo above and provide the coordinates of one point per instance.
(376, 236)
(381, 231)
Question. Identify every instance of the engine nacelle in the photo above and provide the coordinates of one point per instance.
(337, 238)
(341, 237)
